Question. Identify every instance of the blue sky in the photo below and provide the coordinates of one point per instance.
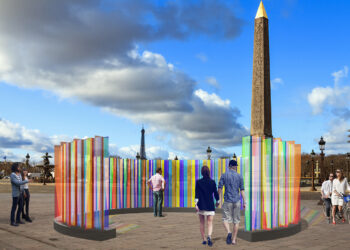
(46, 93)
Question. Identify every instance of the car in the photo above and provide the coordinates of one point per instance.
(7, 177)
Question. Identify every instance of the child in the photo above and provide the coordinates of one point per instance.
(26, 194)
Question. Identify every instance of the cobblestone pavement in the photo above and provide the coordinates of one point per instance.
(174, 231)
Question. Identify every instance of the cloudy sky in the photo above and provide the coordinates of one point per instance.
(75, 69)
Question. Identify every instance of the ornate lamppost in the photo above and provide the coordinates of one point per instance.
(138, 156)
(313, 172)
(209, 152)
(322, 145)
(27, 161)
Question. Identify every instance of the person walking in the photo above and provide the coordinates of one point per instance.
(340, 186)
(326, 192)
(231, 208)
(17, 189)
(205, 189)
(26, 197)
(157, 184)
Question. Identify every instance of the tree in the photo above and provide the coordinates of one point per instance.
(47, 168)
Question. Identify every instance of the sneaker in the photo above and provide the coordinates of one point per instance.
(229, 239)
(161, 215)
(28, 219)
(14, 224)
(20, 222)
(204, 242)
(210, 243)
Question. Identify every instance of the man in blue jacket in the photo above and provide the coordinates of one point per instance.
(16, 182)
(231, 208)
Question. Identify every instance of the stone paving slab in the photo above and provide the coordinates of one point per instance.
(174, 231)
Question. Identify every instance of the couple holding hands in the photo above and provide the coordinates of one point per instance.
(206, 189)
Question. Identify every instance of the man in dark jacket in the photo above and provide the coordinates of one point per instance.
(16, 182)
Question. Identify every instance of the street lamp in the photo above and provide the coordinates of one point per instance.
(234, 157)
(322, 145)
(209, 152)
(332, 166)
(348, 161)
(27, 160)
(313, 171)
(138, 156)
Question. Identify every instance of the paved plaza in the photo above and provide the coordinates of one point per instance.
(143, 231)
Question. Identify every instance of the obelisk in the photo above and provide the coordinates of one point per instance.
(261, 94)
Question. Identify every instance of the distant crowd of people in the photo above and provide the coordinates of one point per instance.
(205, 191)
(20, 195)
(333, 193)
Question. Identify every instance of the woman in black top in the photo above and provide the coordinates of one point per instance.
(205, 189)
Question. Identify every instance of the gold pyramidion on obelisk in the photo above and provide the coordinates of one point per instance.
(261, 93)
(261, 11)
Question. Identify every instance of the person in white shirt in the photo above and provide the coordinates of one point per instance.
(326, 192)
(340, 186)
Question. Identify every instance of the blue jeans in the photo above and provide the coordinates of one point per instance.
(25, 212)
(16, 202)
(157, 202)
(328, 203)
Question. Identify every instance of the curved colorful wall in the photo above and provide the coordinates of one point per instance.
(271, 172)
(89, 182)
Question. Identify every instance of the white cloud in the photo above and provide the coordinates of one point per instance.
(212, 99)
(338, 75)
(202, 57)
(16, 136)
(319, 97)
(337, 97)
(152, 152)
(213, 82)
(148, 92)
(335, 102)
(276, 82)
(96, 62)
(336, 137)
(10, 155)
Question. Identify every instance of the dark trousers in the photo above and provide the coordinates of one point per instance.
(17, 202)
(157, 202)
(26, 204)
(328, 203)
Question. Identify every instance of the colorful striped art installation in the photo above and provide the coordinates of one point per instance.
(90, 183)
(271, 172)
(83, 183)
